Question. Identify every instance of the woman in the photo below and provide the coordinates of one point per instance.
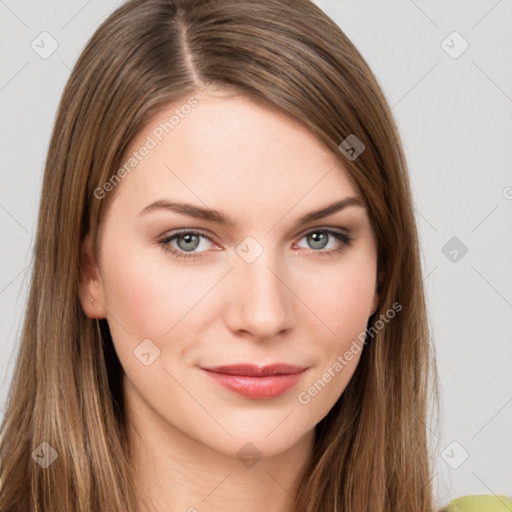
(226, 309)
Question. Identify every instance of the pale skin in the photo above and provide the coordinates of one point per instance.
(291, 304)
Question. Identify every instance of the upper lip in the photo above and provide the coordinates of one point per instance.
(252, 370)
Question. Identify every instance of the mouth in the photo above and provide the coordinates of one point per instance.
(256, 382)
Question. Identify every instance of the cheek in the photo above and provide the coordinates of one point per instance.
(147, 299)
(341, 298)
(351, 303)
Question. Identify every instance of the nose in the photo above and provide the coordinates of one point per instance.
(261, 304)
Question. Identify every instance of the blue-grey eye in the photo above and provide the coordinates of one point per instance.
(318, 239)
(190, 242)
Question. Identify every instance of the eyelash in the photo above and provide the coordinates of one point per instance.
(338, 235)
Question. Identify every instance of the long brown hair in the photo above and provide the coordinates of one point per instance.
(371, 450)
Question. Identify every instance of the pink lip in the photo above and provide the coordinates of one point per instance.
(257, 382)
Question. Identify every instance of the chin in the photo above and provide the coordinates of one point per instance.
(262, 438)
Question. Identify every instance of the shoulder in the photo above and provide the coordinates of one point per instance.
(480, 503)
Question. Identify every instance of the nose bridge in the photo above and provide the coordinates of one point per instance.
(262, 302)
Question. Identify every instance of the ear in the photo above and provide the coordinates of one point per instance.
(91, 293)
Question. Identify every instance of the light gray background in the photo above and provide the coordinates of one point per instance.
(454, 115)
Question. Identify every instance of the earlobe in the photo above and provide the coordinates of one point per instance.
(90, 287)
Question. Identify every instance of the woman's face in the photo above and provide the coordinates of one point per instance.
(269, 288)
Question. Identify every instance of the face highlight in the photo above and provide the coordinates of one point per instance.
(211, 255)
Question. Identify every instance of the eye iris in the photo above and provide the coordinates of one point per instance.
(316, 237)
(188, 238)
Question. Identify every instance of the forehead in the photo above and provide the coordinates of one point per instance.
(230, 151)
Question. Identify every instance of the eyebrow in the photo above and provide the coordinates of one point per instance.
(218, 217)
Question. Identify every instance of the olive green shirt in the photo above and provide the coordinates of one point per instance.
(480, 503)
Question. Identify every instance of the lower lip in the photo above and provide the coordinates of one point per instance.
(257, 388)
